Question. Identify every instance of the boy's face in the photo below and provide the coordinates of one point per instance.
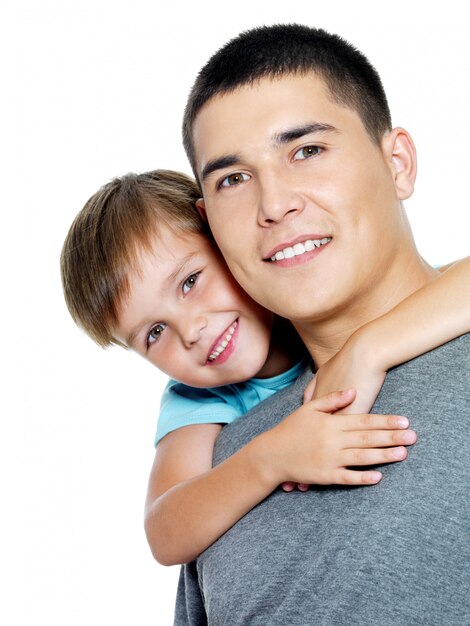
(186, 314)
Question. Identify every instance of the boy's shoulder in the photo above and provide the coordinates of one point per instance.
(264, 415)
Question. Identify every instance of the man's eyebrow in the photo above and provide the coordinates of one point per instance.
(218, 164)
(284, 137)
(300, 131)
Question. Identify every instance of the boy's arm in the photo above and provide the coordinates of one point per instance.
(431, 316)
(189, 505)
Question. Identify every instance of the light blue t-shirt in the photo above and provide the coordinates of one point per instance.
(182, 405)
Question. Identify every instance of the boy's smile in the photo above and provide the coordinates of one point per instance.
(186, 314)
(224, 346)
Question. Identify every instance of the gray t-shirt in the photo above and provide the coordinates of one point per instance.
(394, 553)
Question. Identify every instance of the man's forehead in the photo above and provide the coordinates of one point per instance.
(221, 102)
(269, 108)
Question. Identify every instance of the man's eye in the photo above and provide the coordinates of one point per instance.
(190, 282)
(234, 179)
(306, 152)
(155, 333)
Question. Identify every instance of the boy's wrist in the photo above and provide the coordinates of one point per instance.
(262, 455)
(368, 345)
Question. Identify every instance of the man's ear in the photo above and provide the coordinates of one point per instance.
(400, 154)
(201, 207)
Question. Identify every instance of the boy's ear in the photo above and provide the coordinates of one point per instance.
(201, 207)
(400, 154)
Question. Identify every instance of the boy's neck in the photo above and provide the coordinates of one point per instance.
(286, 349)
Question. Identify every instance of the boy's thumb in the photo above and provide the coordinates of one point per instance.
(333, 401)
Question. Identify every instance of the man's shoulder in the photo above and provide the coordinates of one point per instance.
(261, 417)
(449, 360)
(437, 381)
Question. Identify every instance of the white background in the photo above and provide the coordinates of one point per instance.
(93, 89)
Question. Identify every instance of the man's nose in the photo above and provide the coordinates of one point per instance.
(278, 199)
(192, 330)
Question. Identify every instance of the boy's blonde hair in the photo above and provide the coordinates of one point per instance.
(103, 244)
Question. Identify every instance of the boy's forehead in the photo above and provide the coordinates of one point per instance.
(168, 245)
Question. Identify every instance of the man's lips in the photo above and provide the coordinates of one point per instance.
(297, 247)
(224, 345)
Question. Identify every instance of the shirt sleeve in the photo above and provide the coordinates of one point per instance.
(182, 405)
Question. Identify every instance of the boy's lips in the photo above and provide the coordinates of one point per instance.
(224, 345)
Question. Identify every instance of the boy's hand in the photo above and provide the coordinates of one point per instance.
(349, 369)
(311, 446)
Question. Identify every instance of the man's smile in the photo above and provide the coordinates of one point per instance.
(297, 249)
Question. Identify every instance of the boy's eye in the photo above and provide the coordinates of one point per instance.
(190, 282)
(234, 179)
(155, 333)
(306, 152)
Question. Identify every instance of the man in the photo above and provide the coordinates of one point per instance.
(289, 133)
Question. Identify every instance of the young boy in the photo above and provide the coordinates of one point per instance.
(140, 270)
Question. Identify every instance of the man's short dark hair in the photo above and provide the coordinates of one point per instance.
(283, 49)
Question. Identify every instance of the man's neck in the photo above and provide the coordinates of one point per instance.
(325, 337)
(286, 349)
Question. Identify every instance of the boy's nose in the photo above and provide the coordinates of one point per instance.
(191, 331)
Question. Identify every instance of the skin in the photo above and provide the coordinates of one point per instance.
(272, 177)
(190, 505)
(182, 299)
(182, 303)
(183, 486)
(429, 317)
(335, 184)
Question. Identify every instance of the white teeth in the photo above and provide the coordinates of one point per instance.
(289, 253)
(300, 248)
(223, 344)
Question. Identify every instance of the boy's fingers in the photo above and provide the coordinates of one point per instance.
(372, 421)
(288, 486)
(378, 438)
(355, 478)
(361, 456)
(309, 390)
(333, 401)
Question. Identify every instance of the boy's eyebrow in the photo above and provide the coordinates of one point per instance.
(179, 268)
(131, 337)
(166, 284)
(229, 160)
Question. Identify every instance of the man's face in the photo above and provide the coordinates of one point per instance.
(301, 202)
